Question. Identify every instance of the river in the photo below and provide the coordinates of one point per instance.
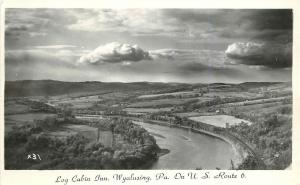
(189, 150)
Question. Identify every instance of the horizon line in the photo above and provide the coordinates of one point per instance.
(150, 81)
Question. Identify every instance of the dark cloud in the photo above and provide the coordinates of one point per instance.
(16, 30)
(280, 36)
(20, 58)
(38, 20)
(200, 67)
(196, 67)
(261, 54)
(251, 24)
(272, 28)
(275, 19)
(217, 17)
(270, 25)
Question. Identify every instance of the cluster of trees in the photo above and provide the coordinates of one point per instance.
(133, 133)
(36, 106)
(130, 132)
(178, 88)
(270, 136)
(249, 163)
(161, 116)
(76, 151)
(172, 96)
(215, 101)
(273, 94)
(20, 135)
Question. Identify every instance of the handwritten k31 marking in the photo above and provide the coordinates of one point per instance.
(34, 156)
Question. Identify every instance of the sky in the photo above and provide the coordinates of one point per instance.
(155, 45)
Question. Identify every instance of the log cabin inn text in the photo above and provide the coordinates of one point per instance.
(156, 177)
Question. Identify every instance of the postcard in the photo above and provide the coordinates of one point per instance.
(152, 93)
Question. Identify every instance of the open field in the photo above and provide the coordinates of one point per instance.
(15, 108)
(60, 133)
(194, 114)
(67, 130)
(29, 117)
(17, 120)
(219, 120)
(263, 107)
(85, 102)
(147, 110)
(77, 103)
(233, 94)
(166, 94)
(85, 130)
(161, 103)
(89, 117)
(259, 101)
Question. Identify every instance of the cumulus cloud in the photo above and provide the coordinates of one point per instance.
(245, 50)
(165, 53)
(114, 53)
(272, 55)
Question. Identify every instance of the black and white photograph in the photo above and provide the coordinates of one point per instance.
(148, 89)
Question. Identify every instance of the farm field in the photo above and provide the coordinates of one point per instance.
(17, 120)
(161, 103)
(77, 103)
(219, 120)
(147, 110)
(166, 94)
(89, 117)
(194, 114)
(233, 94)
(14, 108)
(28, 117)
(68, 130)
(257, 108)
(85, 130)
(60, 133)
(255, 102)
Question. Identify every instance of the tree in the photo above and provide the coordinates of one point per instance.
(263, 144)
(250, 163)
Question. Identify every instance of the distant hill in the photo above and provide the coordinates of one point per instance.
(249, 85)
(51, 87)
